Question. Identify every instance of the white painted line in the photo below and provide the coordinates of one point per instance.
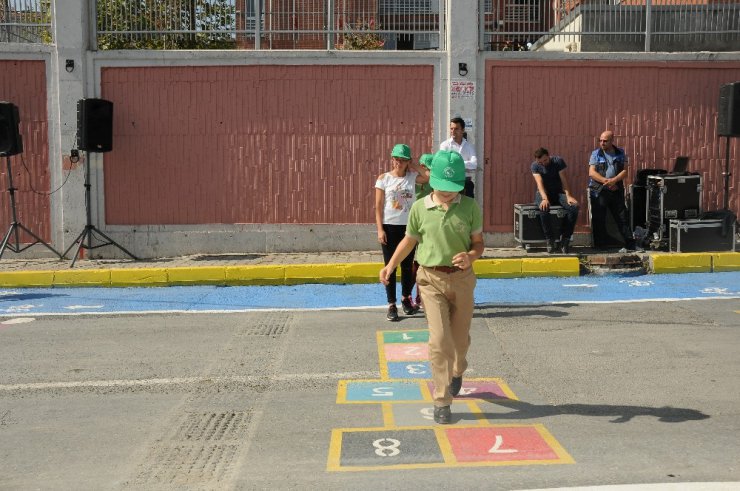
(672, 486)
(18, 320)
(187, 381)
(339, 309)
(581, 285)
(78, 307)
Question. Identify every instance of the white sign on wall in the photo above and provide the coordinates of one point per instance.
(462, 89)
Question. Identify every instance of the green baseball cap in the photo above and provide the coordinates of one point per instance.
(448, 172)
(426, 160)
(401, 151)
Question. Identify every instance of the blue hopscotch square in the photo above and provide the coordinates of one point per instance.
(380, 391)
(409, 369)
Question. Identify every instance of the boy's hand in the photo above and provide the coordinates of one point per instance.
(462, 260)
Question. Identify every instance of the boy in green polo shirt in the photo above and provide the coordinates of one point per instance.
(448, 228)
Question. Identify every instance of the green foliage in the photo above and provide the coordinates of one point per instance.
(159, 24)
(361, 36)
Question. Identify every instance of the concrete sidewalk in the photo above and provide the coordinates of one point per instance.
(330, 267)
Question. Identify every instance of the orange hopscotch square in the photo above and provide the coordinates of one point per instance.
(500, 444)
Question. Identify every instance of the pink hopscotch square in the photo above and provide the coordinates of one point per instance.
(499, 444)
(407, 352)
(478, 389)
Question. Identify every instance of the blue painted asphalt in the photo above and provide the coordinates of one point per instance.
(516, 291)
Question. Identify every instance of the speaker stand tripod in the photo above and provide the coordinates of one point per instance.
(16, 225)
(90, 229)
(726, 174)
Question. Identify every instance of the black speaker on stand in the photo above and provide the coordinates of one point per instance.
(11, 143)
(728, 125)
(94, 134)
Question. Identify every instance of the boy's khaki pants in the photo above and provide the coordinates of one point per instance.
(448, 305)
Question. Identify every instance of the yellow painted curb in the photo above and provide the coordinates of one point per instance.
(362, 272)
(27, 278)
(82, 277)
(296, 274)
(255, 275)
(138, 277)
(681, 263)
(725, 261)
(498, 268)
(204, 275)
(553, 266)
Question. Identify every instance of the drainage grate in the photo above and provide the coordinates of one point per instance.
(213, 426)
(183, 464)
(271, 324)
(202, 449)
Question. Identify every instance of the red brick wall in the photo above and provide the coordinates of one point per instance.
(23, 83)
(656, 110)
(258, 144)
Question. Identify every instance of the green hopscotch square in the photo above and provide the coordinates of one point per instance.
(417, 336)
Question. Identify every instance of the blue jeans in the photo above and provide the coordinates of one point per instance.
(568, 223)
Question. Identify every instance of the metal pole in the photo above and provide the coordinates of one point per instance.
(257, 24)
(727, 173)
(330, 24)
(648, 24)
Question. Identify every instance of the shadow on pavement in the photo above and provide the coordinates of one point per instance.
(623, 414)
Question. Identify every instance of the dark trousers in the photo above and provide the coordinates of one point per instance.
(394, 234)
(610, 202)
(469, 190)
(569, 221)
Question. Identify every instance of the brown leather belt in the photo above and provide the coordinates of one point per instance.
(444, 269)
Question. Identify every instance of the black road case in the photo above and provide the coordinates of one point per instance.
(528, 228)
(702, 235)
(671, 197)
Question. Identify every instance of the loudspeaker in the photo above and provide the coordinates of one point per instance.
(95, 125)
(11, 141)
(728, 113)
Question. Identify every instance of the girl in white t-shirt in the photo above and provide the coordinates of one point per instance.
(395, 192)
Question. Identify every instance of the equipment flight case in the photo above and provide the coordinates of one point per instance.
(671, 197)
(528, 228)
(702, 235)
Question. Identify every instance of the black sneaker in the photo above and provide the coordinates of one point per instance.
(565, 248)
(442, 415)
(455, 386)
(392, 313)
(408, 307)
(550, 246)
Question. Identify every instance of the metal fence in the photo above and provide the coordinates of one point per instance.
(610, 25)
(269, 24)
(25, 21)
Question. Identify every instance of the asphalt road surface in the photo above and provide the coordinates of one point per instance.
(556, 395)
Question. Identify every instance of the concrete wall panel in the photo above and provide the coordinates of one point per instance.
(656, 110)
(265, 144)
(23, 83)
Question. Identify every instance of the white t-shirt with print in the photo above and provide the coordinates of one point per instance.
(400, 194)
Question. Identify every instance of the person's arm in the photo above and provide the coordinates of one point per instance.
(422, 173)
(404, 249)
(564, 181)
(379, 207)
(545, 203)
(470, 159)
(464, 260)
(596, 176)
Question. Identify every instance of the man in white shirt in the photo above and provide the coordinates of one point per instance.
(460, 145)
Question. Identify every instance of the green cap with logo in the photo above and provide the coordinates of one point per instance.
(401, 151)
(426, 160)
(448, 172)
